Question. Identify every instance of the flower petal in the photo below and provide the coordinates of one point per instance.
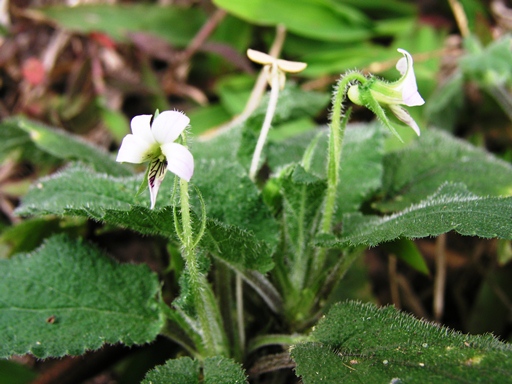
(141, 128)
(133, 150)
(404, 116)
(260, 57)
(156, 175)
(291, 66)
(410, 95)
(179, 160)
(168, 126)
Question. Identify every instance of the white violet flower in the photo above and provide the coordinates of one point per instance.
(392, 95)
(154, 142)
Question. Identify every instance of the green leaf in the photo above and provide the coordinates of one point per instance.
(77, 191)
(67, 297)
(489, 66)
(221, 370)
(180, 371)
(178, 25)
(15, 140)
(29, 234)
(232, 198)
(216, 370)
(417, 171)
(319, 19)
(361, 162)
(361, 167)
(67, 147)
(452, 207)
(14, 373)
(444, 107)
(302, 198)
(360, 343)
(407, 251)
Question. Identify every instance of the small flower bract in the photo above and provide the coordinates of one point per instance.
(154, 142)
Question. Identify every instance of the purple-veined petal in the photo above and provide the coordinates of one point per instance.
(133, 150)
(179, 160)
(141, 128)
(156, 174)
(404, 116)
(410, 94)
(168, 126)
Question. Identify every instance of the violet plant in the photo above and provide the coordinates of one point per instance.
(291, 238)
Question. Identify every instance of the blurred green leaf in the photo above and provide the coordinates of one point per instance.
(205, 118)
(443, 108)
(452, 207)
(414, 172)
(64, 146)
(489, 299)
(115, 121)
(234, 91)
(67, 297)
(16, 142)
(384, 9)
(29, 234)
(360, 343)
(489, 66)
(14, 373)
(177, 25)
(406, 250)
(320, 19)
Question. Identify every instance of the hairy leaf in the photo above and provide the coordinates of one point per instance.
(452, 207)
(233, 199)
(216, 370)
(360, 343)
(180, 371)
(78, 191)
(67, 297)
(302, 198)
(417, 171)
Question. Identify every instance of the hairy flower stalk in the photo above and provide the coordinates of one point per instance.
(208, 314)
(275, 70)
(374, 94)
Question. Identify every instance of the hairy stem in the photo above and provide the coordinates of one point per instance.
(204, 301)
(336, 135)
(272, 103)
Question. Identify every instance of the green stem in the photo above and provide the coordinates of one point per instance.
(336, 136)
(271, 109)
(266, 340)
(205, 304)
